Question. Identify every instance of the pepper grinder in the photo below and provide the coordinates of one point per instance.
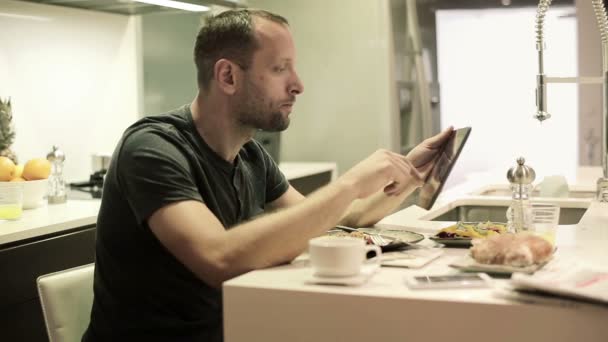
(519, 214)
(57, 189)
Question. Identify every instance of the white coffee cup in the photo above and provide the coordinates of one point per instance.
(341, 257)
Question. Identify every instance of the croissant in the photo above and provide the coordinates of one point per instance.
(518, 250)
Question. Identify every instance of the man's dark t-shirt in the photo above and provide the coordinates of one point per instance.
(142, 292)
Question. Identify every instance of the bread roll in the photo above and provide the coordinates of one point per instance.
(518, 250)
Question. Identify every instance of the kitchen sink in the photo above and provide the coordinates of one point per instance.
(497, 213)
(504, 191)
(507, 192)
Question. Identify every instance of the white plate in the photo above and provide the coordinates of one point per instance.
(468, 264)
(366, 272)
(452, 242)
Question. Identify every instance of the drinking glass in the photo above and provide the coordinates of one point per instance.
(11, 200)
(545, 218)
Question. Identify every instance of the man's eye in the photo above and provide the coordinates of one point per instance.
(279, 69)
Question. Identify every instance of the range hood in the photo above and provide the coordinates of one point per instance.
(131, 7)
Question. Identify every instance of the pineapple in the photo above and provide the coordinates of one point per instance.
(7, 131)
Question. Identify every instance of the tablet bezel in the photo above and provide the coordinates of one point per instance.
(427, 201)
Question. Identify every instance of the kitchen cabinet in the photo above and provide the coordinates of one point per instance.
(22, 263)
(45, 240)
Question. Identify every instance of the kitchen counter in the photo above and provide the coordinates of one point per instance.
(294, 170)
(50, 219)
(277, 304)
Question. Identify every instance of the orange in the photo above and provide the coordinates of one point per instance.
(18, 171)
(7, 167)
(17, 179)
(37, 168)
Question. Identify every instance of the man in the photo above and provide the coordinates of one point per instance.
(184, 196)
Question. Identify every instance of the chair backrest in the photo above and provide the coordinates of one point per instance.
(66, 298)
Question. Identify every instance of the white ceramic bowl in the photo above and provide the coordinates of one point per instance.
(34, 193)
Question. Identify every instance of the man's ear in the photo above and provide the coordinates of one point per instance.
(224, 73)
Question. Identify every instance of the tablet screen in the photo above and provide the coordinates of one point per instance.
(443, 166)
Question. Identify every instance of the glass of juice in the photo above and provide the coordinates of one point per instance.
(11, 200)
(545, 218)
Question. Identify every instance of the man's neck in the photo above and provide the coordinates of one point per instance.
(217, 126)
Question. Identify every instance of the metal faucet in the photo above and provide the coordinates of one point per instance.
(542, 80)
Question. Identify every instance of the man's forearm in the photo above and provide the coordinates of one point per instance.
(283, 235)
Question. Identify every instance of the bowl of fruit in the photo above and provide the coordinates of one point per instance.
(32, 176)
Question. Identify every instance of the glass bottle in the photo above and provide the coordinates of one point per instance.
(57, 188)
(602, 189)
(519, 214)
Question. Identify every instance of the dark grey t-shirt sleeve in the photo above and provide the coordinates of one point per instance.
(153, 172)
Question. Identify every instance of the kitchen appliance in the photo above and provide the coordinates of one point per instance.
(92, 188)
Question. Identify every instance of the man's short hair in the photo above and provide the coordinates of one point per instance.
(229, 35)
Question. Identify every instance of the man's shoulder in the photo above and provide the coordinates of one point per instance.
(167, 126)
(160, 136)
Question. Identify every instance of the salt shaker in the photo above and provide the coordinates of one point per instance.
(57, 189)
(519, 214)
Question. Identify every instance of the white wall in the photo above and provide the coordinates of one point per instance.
(487, 71)
(348, 108)
(72, 78)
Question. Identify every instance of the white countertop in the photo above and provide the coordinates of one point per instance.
(50, 219)
(293, 170)
(385, 309)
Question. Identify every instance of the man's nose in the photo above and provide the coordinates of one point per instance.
(296, 87)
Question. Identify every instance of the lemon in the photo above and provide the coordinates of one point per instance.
(18, 171)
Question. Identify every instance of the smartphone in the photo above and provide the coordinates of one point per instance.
(449, 281)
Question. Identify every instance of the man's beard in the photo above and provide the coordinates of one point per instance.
(258, 118)
(254, 112)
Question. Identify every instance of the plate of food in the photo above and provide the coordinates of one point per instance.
(338, 233)
(398, 239)
(506, 254)
(400, 235)
(462, 233)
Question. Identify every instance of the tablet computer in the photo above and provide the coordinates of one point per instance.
(444, 163)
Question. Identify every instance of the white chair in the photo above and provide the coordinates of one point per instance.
(66, 298)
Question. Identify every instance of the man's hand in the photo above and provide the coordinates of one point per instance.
(386, 170)
(422, 157)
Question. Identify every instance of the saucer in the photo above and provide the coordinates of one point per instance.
(359, 279)
(468, 264)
